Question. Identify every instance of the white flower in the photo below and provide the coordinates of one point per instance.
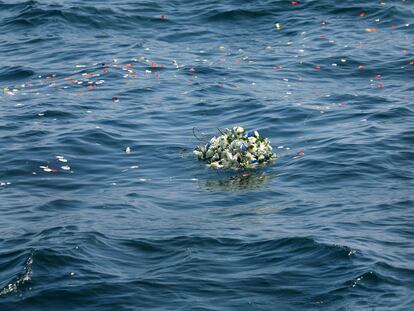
(228, 155)
(215, 165)
(209, 153)
(238, 129)
(252, 140)
(198, 153)
(215, 157)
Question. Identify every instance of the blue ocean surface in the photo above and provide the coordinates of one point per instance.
(85, 225)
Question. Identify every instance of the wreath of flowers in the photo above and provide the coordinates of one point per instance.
(236, 149)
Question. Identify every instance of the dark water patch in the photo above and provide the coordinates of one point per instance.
(396, 112)
(60, 204)
(15, 74)
(183, 36)
(236, 15)
(37, 16)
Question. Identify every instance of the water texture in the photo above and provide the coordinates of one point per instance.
(85, 225)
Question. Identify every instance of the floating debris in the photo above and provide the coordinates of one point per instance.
(299, 154)
(48, 169)
(236, 149)
(61, 159)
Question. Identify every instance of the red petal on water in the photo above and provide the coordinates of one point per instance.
(294, 3)
(377, 76)
(317, 67)
(361, 67)
(362, 14)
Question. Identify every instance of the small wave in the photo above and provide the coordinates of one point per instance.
(15, 73)
(235, 15)
(37, 15)
(301, 246)
(22, 6)
(18, 283)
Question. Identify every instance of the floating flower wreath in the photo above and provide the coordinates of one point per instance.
(236, 149)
